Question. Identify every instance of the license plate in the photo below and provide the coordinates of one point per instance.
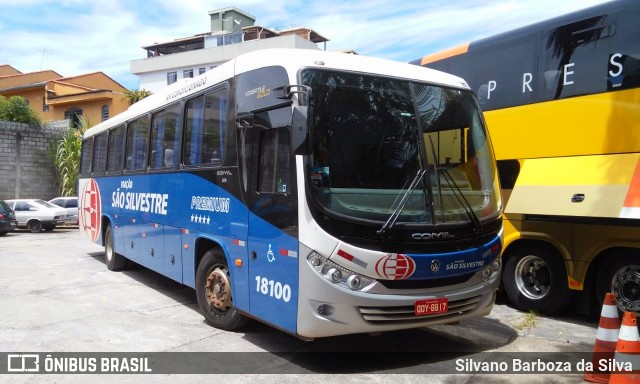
(431, 306)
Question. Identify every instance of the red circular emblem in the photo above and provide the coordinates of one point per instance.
(90, 210)
(395, 267)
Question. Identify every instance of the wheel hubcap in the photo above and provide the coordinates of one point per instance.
(626, 287)
(218, 289)
(532, 277)
(109, 250)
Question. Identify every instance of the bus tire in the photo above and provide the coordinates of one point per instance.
(535, 279)
(114, 261)
(621, 277)
(213, 290)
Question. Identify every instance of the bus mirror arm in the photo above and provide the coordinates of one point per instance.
(288, 91)
(301, 130)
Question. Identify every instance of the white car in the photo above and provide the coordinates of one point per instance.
(70, 205)
(36, 215)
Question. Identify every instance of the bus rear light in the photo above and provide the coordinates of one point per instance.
(338, 274)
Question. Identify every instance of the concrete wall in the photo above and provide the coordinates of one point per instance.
(26, 167)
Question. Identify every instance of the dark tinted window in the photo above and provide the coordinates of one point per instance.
(100, 153)
(508, 171)
(275, 151)
(116, 149)
(87, 156)
(257, 89)
(23, 206)
(165, 138)
(575, 58)
(205, 129)
(4, 207)
(137, 140)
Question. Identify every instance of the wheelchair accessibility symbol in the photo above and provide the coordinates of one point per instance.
(270, 256)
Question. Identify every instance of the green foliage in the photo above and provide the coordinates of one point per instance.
(66, 158)
(17, 109)
(133, 96)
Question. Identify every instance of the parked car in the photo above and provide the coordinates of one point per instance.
(8, 220)
(36, 214)
(70, 205)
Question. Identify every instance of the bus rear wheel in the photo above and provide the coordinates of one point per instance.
(622, 278)
(535, 279)
(213, 291)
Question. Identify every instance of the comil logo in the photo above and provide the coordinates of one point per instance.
(432, 236)
(395, 267)
(90, 210)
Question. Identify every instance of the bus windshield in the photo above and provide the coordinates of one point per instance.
(387, 147)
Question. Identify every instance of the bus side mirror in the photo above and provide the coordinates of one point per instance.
(301, 130)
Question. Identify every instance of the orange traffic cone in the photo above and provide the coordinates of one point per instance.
(626, 364)
(606, 340)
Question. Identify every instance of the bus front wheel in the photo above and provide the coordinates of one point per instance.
(213, 290)
(622, 278)
(535, 279)
(114, 261)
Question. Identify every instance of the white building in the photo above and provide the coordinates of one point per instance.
(232, 33)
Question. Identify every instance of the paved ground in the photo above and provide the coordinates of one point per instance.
(56, 295)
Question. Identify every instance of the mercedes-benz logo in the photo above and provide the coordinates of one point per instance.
(435, 265)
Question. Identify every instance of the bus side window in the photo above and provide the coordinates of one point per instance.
(137, 144)
(275, 150)
(100, 154)
(116, 149)
(508, 171)
(87, 156)
(156, 157)
(205, 129)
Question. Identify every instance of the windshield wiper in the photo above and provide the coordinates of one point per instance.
(477, 225)
(457, 192)
(396, 212)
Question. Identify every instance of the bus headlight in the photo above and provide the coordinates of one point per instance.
(490, 271)
(338, 274)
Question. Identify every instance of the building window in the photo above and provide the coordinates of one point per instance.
(45, 107)
(201, 71)
(73, 115)
(172, 77)
(105, 112)
(187, 73)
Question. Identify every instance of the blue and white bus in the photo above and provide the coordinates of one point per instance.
(321, 193)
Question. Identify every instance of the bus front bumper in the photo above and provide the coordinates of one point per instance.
(326, 309)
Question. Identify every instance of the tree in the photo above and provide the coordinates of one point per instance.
(17, 109)
(133, 96)
(66, 158)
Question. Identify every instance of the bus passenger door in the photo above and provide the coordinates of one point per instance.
(273, 228)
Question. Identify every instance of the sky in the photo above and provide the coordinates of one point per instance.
(74, 37)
